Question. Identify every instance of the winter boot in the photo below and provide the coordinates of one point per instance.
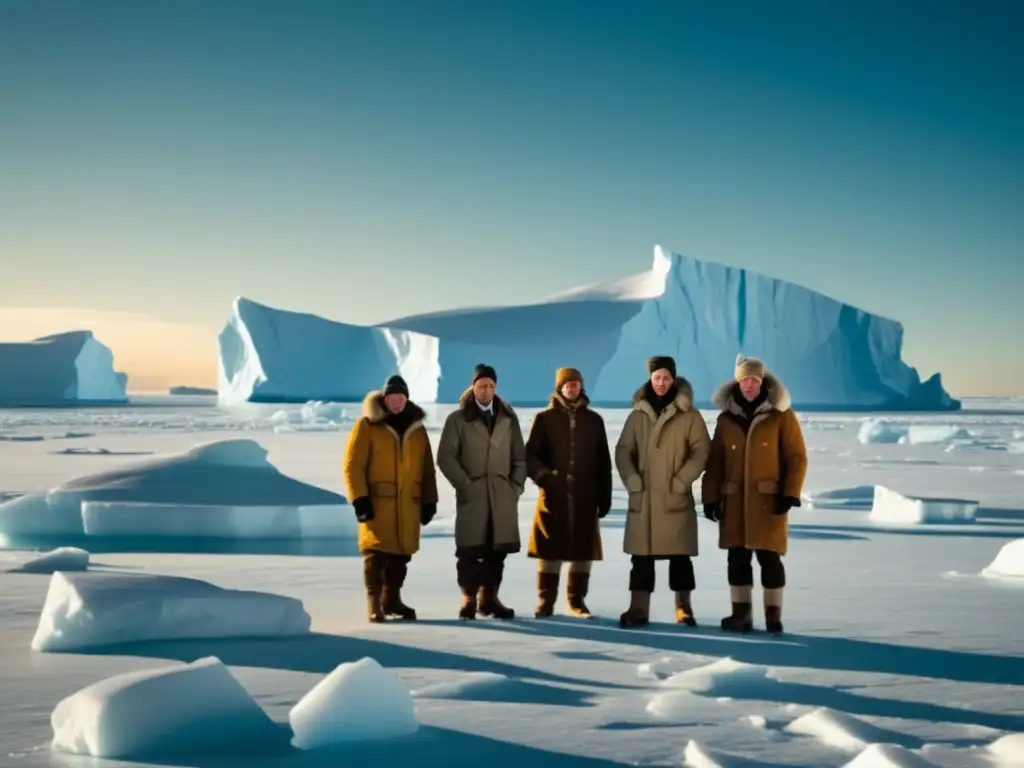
(576, 591)
(391, 597)
(684, 611)
(773, 611)
(373, 577)
(547, 592)
(489, 604)
(467, 611)
(741, 619)
(467, 570)
(639, 612)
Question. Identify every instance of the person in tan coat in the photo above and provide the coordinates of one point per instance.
(482, 454)
(390, 477)
(754, 477)
(660, 454)
(568, 457)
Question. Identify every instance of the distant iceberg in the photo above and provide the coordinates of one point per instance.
(64, 369)
(832, 356)
(184, 389)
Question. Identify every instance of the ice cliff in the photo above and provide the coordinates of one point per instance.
(63, 369)
(831, 355)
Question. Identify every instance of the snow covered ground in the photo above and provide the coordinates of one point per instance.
(904, 644)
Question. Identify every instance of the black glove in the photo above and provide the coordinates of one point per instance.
(602, 512)
(427, 512)
(713, 512)
(785, 503)
(364, 509)
(548, 480)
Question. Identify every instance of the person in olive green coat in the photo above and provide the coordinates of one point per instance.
(661, 452)
(390, 477)
(483, 456)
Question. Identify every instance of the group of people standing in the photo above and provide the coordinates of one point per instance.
(753, 472)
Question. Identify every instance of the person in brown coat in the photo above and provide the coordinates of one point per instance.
(483, 456)
(390, 477)
(568, 457)
(660, 454)
(754, 477)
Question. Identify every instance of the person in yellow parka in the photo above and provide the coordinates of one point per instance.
(391, 480)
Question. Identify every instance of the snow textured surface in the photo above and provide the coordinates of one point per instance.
(892, 508)
(199, 708)
(358, 701)
(63, 369)
(829, 354)
(60, 559)
(1009, 563)
(888, 756)
(225, 488)
(89, 609)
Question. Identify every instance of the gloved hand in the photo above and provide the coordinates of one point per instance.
(785, 503)
(713, 512)
(427, 512)
(364, 509)
(548, 480)
(602, 512)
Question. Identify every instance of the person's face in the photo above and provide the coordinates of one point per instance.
(661, 381)
(750, 386)
(571, 390)
(395, 402)
(483, 391)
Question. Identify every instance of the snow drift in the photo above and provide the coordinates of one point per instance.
(892, 508)
(831, 355)
(1009, 563)
(88, 609)
(63, 369)
(225, 489)
(197, 708)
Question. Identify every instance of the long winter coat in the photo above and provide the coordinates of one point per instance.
(659, 457)
(751, 465)
(488, 472)
(568, 457)
(397, 473)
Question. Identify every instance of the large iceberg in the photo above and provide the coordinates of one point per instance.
(832, 356)
(273, 356)
(63, 369)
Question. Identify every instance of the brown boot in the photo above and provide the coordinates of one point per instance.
(579, 585)
(489, 604)
(547, 592)
(373, 577)
(741, 619)
(391, 597)
(639, 612)
(684, 611)
(467, 611)
(773, 611)
(468, 572)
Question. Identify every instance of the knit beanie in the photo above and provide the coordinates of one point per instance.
(749, 366)
(484, 372)
(396, 385)
(661, 362)
(564, 375)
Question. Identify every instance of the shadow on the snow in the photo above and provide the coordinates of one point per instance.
(321, 653)
(806, 651)
(796, 530)
(824, 535)
(427, 748)
(190, 545)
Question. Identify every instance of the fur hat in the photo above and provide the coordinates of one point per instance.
(396, 385)
(661, 362)
(483, 371)
(749, 366)
(564, 375)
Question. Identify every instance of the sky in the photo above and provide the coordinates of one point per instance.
(368, 160)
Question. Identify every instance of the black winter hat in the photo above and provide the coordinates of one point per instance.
(660, 362)
(396, 385)
(483, 371)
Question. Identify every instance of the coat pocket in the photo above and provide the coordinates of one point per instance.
(678, 502)
(417, 491)
(730, 488)
(768, 487)
(384, 490)
(635, 502)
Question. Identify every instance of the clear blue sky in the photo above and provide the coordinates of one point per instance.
(363, 160)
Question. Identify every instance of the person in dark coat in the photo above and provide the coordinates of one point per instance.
(568, 457)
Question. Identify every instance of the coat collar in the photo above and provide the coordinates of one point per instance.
(469, 410)
(557, 401)
(374, 410)
(683, 400)
(778, 398)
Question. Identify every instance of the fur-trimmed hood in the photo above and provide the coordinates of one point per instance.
(374, 410)
(778, 397)
(557, 400)
(683, 400)
(468, 405)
